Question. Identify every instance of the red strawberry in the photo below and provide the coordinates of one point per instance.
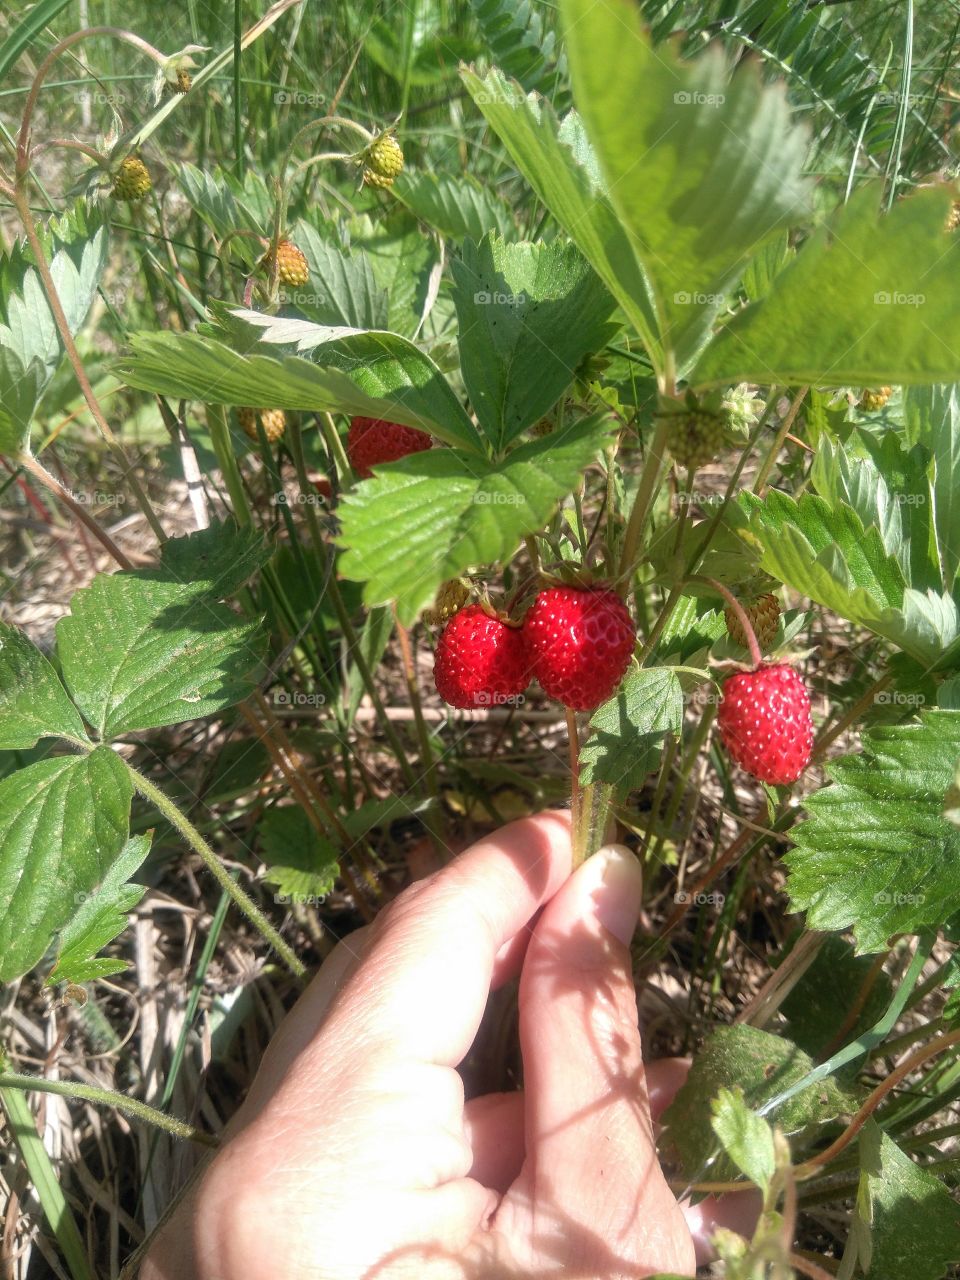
(373, 440)
(764, 721)
(480, 661)
(580, 641)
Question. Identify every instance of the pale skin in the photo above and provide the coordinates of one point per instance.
(354, 1157)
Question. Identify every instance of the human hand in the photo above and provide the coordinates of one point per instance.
(355, 1157)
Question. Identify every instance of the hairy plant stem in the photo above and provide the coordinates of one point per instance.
(756, 657)
(641, 506)
(39, 472)
(576, 797)
(238, 896)
(338, 453)
(108, 1098)
(815, 1163)
(19, 199)
(23, 141)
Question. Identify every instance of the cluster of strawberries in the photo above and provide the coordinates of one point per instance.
(577, 641)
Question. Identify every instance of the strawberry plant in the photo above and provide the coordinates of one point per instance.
(598, 446)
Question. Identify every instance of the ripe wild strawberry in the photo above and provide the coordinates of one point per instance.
(580, 641)
(373, 440)
(764, 614)
(480, 661)
(292, 269)
(273, 421)
(382, 161)
(764, 722)
(132, 180)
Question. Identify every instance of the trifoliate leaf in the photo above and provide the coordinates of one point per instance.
(101, 916)
(138, 652)
(913, 1220)
(63, 825)
(877, 853)
(432, 515)
(33, 702)
(763, 1066)
(628, 732)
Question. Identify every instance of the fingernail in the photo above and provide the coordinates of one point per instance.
(618, 893)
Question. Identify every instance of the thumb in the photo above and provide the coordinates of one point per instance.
(591, 1159)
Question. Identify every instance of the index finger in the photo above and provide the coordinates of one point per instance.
(421, 989)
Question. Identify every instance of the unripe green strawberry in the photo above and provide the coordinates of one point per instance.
(273, 421)
(764, 614)
(292, 269)
(874, 398)
(451, 597)
(132, 180)
(382, 160)
(696, 438)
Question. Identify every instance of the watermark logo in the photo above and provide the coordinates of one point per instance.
(493, 498)
(298, 98)
(684, 299)
(695, 499)
(695, 99)
(97, 98)
(894, 698)
(885, 899)
(507, 99)
(297, 500)
(485, 699)
(300, 899)
(484, 298)
(298, 698)
(699, 899)
(894, 298)
(98, 499)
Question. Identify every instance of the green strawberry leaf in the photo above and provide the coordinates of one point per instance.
(933, 420)
(702, 166)
(102, 917)
(828, 555)
(888, 488)
(20, 388)
(558, 162)
(33, 702)
(908, 1223)
(528, 314)
(30, 332)
(213, 562)
(867, 301)
(405, 263)
(63, 824)
(300, 862)
(745, 1137)
(761, 1065)
(628, 732)
(432, 515)
(457, 206)
(876, 853)
(378, 374)
(342, 289)
(138, 652)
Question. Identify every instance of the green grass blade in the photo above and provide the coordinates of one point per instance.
(28, 30)
(44, 1178)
